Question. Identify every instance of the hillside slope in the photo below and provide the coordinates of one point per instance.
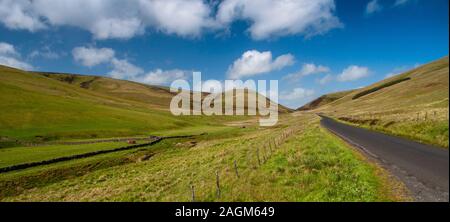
(51, 106)
(157, 97)
(413, 104)
(37, 107)
(427, 88)
(154, 96)
(324, 100)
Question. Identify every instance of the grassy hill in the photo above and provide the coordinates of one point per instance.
(152, 96)
(53, 106)
(42, 108)
(324, 100)
(157, 97)
(413, 104)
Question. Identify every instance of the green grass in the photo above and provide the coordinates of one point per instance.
(434, 132)
(311, 165)
(318, 167)
(20, 155)
(384, 85)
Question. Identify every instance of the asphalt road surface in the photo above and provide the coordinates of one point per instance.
(424, 169)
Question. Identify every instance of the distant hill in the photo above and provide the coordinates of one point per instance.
(425, 86)
(158, 97)
(413, 104)
(323, 100)
(51, 106)
(154, 96)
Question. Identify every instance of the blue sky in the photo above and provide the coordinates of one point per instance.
(311, 47)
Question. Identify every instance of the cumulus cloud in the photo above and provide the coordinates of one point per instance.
(306, 70)
(10, 57)
(19, 14)
(7, 49)
(162, 77)
(373, 6)
(182, 17)
(274, 18)
(254, 62)
(15, 63)
(296, 94)
(122, 69)
(89, 56)
(326, 79)
(353, 73)
(107, 19)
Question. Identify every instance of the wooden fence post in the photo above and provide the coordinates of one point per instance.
(257, 155)
(192, 193)
(217, 184)
(264, 154)
(236, 169)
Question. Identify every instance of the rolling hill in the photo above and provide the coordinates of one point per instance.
(413, 104)
(157, 97)
(323, 100)
(51, 106)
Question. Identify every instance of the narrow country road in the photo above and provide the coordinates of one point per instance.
(424, 169)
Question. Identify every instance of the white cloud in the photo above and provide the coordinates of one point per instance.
(122, 69)
(306, 70)
(7, 49)
(92, 56)
(254, 62)
(116, 28)
(274, 18)
(353, 73)
(15, 63)
(296, 94)
(10, 57)
(161, 77)
(181, 17)
(326, 79)
(19, 14)
(109, 19)
(373, 6)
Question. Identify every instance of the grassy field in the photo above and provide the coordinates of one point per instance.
(20, 155)
(416, 108)
(306, 164)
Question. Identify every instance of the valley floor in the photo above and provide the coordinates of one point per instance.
(297, 160)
